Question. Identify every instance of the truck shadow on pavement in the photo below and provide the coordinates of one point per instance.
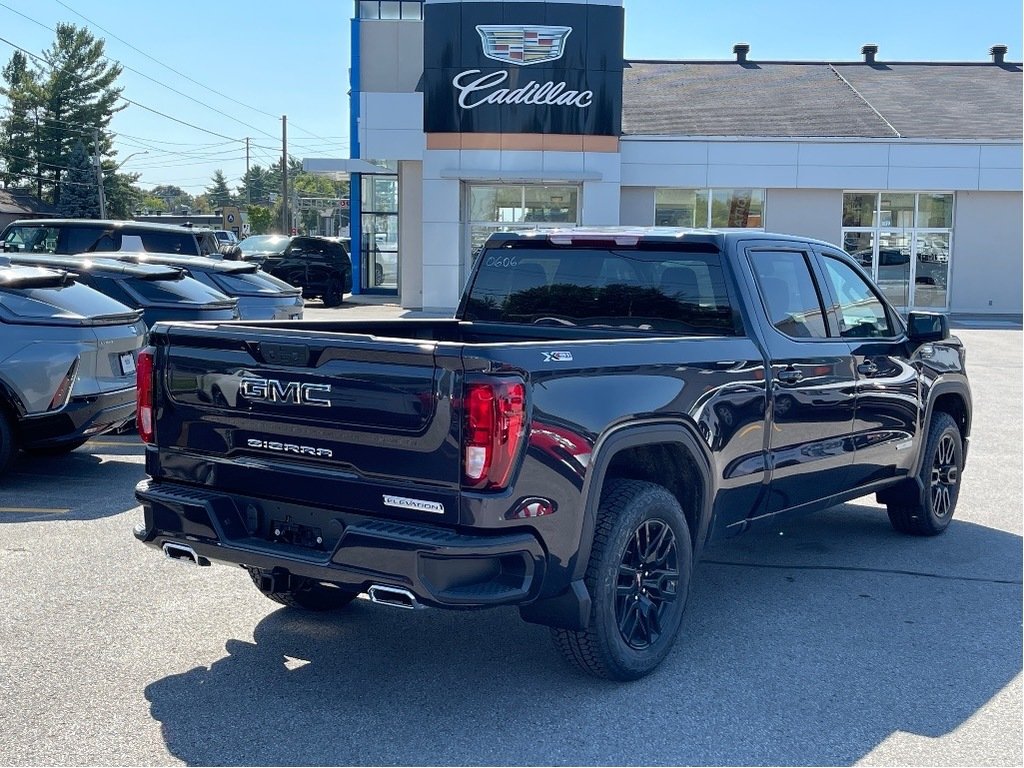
(808, 645)
(95, 481)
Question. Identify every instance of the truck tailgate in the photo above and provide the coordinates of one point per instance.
(309, 416)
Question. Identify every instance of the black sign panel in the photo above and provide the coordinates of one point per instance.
(522, 68)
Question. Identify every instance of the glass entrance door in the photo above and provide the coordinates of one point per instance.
(510, 207)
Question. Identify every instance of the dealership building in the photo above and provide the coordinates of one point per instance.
(469, 118)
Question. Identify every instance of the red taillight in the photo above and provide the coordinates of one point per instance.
(144, 394)
(495, 415)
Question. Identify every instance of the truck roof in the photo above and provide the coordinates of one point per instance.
(627, 236)
(104, 224)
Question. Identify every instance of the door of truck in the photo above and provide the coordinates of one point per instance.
(886, 424)
(813, 378)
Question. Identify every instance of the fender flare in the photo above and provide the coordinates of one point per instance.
(943, 386)
(630, 436)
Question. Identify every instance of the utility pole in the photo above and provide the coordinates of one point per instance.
(248, 186)
(99, 172)
(286, 230)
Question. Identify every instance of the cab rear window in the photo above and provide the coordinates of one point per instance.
(647, 290)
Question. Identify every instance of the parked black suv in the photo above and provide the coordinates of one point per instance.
(319, 266)
(67, 236)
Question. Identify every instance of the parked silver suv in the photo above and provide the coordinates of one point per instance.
(67, 361)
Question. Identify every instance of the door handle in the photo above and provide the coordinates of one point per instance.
(868, 368)
(790, 376)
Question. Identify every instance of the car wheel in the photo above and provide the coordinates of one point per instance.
(299, 592)
(7, 446)
(334, 294)
(638, 577)
(378, 274)
(940, 472)
(57, 450)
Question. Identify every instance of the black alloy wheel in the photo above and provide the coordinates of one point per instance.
(929, 508)
(945, 477)
(648, 577)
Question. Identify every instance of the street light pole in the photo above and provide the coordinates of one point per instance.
(115, 169)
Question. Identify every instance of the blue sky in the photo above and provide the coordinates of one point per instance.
(275, 58)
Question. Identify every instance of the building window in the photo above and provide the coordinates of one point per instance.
(406, 10)
(904, 241)
(516, 207)
(379, 222)
(719, 208)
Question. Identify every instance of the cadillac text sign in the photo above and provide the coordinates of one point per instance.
(522, 68)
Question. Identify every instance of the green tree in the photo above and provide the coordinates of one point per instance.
(260, 219)
(76, 93)
(79, 194)
(18, 129)
(122, 194)
(218, 193)
(150, 203)
(256, 186)
(174, 198)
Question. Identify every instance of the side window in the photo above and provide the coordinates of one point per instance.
(788, 292)
(31, 239)
(81, 239)
(861, 313)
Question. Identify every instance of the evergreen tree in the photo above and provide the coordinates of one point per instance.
(79, 195)
(76, 94)
(18, 129)
(123, 196)
(218, 194)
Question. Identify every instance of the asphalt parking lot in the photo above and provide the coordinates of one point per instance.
(830, 640)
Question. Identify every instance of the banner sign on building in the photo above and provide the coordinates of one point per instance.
(522, 68)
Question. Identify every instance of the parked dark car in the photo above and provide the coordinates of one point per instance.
(260, 295)
(161, 292)
(319, 266)
(67, 236)
(67, 362)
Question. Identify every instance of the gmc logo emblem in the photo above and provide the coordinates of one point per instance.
(293, 392)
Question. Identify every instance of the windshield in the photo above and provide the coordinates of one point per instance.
(184, 290)
(657, 291)
(259, 243)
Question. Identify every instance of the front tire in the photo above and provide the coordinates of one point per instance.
(638, 577)
(299, 592)
(940, 472)
(7, 446)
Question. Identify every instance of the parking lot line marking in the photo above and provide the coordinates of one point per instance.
(34, 510)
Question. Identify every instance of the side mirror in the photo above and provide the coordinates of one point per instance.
(923, 327)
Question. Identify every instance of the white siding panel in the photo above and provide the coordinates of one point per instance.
(393, 145)
(440, 247)
(1000, 179)
(481, 160)
(600, 204)
(752, 176)
(837, 177)
(608, 164)
(563, 161)
(441, 201)
(1001, 157)
(901, 177)
(752, 153)
(441, 288)
(844, 155)
(391, 111)
(658, 152)
(689, 176)
(934, 155)
(521, 160)
(437, 160)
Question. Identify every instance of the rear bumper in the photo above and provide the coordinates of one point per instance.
(440, 566)
(82, 417)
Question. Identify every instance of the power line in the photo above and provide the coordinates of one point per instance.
(147, 77)
(45, 63)
(182, 74)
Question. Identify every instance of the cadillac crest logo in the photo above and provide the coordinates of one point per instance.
(523, 45)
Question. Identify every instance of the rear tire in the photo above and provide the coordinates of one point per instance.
(302, 593)
(940, 473)
(7, 446)
(638, 577)
(334, 295)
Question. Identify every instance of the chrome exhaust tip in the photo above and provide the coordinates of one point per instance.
(396, 597)
(183, 553)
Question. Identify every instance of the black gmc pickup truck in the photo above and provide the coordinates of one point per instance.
(603, 405)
